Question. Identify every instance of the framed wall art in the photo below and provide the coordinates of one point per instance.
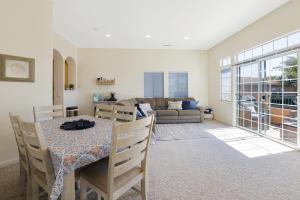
(14, 68)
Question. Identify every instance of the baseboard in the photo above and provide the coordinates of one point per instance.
(9, 162)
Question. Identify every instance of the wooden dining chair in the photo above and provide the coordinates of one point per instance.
(23, 158)
(104, 111)
(127, 163)
(42, 113)
(42, 174)
(125, 113)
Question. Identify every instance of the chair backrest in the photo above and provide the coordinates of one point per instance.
(14, 119)
(129, 149)
(125, 113)
(104, 111)
(42, 113)
(37, 150)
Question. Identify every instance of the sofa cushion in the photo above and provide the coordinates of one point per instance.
(175, 105)
(161, 104)
(189, 112)
(145, 108)
(146, 100)
(189, 105)
(166, 113)
(177, 117)
(182, 99)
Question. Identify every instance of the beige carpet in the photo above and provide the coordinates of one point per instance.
(214, 168)
(168, 132)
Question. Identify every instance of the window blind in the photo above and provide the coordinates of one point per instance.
(178, 84)
(153, 84)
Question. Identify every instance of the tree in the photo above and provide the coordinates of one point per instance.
(290, 71)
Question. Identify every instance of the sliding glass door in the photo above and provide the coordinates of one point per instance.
(267, 93)
(247, 99)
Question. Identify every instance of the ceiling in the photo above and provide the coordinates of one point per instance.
(183, 24)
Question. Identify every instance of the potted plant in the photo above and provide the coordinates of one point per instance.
(71, 86)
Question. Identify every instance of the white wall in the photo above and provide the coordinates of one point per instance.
(128, 67)
(283, 20)
(26, 30)
(64, 46)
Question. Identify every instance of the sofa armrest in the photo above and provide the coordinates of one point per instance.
(201, 109)
(152, 112)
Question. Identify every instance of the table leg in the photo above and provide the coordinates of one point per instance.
(69, 187)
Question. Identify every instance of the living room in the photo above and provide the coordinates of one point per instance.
(215, 82)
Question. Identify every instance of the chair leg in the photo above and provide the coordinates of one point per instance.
(22, 180)
(23, 174)
(28, 187)
(35, 190)
(83, 190)
(144, 188)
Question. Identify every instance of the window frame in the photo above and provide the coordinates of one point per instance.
(225, 66)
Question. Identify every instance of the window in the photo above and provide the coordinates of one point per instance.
(178, 84)
(281, 43)
(268, 48)
(248, 55)
(153, 84)
(294, 39)
(225, 79)
(257, 51)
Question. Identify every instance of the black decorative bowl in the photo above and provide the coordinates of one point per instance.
(77, 125)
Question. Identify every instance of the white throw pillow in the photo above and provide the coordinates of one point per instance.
(175, 105)
(145, 107)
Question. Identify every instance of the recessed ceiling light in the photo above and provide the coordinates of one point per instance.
(147, 36)
(96, 28)
(186, 38)
(108, 35)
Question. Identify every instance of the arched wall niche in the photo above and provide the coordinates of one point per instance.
(70, 74)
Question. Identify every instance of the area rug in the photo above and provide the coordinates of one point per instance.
(186, 131)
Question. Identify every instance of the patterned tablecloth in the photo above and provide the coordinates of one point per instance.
(70, 150)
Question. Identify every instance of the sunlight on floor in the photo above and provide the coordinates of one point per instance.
(247, 143)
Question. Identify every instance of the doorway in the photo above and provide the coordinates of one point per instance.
(58, 78)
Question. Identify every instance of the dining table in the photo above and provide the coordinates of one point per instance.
(72, 150)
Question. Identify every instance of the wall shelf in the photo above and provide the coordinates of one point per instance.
(105, 82)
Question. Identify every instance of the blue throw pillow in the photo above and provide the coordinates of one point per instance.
(139, 111)
(189, 105)
(139, 114)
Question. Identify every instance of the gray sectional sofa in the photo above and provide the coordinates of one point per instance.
(163, 115)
